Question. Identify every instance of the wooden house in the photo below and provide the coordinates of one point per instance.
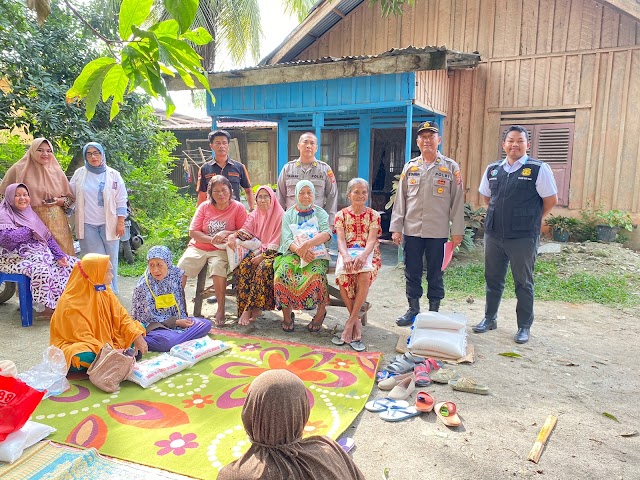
(569, 70)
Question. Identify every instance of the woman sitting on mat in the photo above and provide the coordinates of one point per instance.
(49, 189)
(255, 273)
(212, 223)
(278, 450)
(357, 228)
(89, 315)
(27, 247)
(159, 304)
(297, 287)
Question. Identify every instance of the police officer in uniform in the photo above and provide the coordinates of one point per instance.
(429, 196)
(221, 164)
(308, 167)
(519, 192)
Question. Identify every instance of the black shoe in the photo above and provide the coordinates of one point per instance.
(485, 325)
(434, 305)
(522, 335)
(414, 309)
(212, 300)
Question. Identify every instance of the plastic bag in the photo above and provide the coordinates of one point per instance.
(243, 247)
(17, 401)
(353, 253)
(306, 231)
(199, 349)
(50, 375)
(440, 320)
(8, 368)
(148, 372)
(451, 343)
(110, 367)
(11, 449)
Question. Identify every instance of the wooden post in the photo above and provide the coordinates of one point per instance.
(543, 436)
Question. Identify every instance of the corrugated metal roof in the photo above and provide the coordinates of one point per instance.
(179, 121)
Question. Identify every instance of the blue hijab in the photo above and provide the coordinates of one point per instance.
(103, 166)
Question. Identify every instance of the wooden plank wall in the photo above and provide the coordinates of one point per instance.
(537, 54)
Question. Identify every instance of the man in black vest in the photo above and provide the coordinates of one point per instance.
(519, 192)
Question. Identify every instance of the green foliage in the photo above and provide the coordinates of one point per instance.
(562, 224)
(474, 219)
(464, 279)
(12, 148)
(615, 218)
(392, 6)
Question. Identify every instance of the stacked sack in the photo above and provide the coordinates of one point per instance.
(439, 335)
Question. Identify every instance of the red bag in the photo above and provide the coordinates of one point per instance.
(17, 402)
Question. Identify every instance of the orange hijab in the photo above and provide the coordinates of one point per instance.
(43, 180)
(85, 318)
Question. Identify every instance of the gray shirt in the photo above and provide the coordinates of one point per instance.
(429, 196)
(318, 173)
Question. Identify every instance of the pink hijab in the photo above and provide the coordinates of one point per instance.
(266, 226)
(11, 217)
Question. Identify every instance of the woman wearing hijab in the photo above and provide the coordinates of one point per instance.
(101, 206)
(89, 315)
(28, 248)
(297, 287)
(49, 189)
(274, 416)
(255, 273)
(159, 304)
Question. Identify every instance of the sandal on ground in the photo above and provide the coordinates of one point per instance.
(444, 375)
(288, 327)
(390, 382)
(358, 346)
(447, 412)
(400, 366)
(421, 371)
(336, 340)
(384, 403)
(347, 443)
(314, 327)
(468, 385)
(424, 402)
(399, 414)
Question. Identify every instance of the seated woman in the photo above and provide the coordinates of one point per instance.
(159, 304)
(255, 272)
(212, 223)
(27, 247)
(89, 315)
(294, 286)
(278, 450)
(356, 226)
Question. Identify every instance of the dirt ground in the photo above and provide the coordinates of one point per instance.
(579, 364)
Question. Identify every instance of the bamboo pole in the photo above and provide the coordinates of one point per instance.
(543, 436)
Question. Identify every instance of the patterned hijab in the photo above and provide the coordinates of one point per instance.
(274, 415)
(143, 305)
(11, 217)
(266, 226)
(44, 180)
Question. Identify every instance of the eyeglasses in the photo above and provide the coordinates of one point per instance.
(97, 153)
(40, 150)
(263, 198)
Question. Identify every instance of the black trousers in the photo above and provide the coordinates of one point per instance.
(521, 254)
(415, 248)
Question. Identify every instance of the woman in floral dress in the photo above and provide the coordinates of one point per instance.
(28, 248)
(357, 226)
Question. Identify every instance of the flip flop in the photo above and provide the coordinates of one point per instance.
(399, 414)
(444, 375)
(468, 385)
(358, 346)
(390, 382)
(424, 402)
(447, 412)
(288, 327)
(336, 340)
(421, 371)
(381, 404)
(347, 443)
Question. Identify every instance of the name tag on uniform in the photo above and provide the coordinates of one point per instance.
(443, 175)
(413, 174)
(233, 174)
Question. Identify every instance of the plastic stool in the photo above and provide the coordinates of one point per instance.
(24, 293)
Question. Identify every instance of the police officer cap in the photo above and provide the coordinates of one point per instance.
(428, 127)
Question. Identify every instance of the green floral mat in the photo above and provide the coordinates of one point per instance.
(189, 423)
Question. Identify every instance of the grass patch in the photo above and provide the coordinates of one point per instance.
(465, 279)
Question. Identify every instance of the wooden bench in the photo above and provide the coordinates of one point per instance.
(202, 292)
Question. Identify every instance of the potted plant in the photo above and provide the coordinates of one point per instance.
(474, 219)
(561, 227)
(609, 222)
